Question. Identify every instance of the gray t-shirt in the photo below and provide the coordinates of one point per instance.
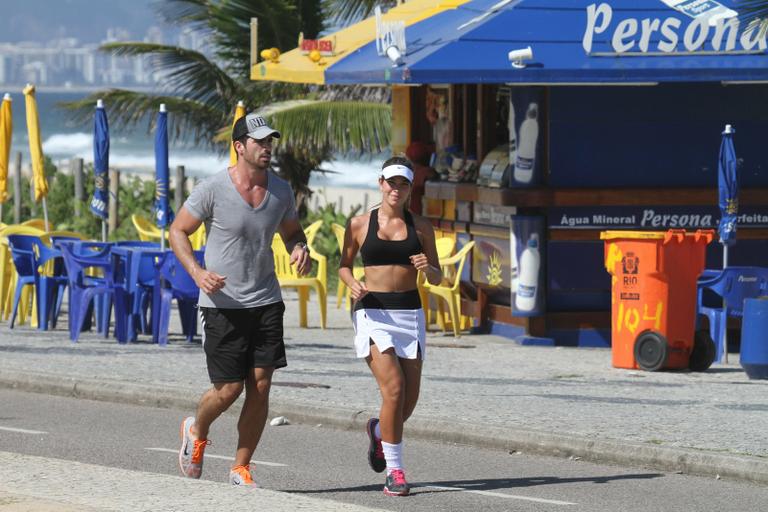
(239, 243)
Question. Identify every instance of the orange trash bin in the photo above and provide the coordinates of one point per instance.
(653, 295)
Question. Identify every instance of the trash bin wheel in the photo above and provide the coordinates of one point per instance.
(651, 351)
(703, 353)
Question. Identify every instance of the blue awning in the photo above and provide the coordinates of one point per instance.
(572, 41)
(365, 65)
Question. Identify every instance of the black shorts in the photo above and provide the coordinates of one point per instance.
(237, 340)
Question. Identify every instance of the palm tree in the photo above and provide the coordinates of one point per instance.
(202, 88)
(753, 10)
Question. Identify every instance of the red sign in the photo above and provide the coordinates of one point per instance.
(324, 46)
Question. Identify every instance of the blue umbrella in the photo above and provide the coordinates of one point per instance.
(100, 200)
(728, 183)
(163, 212)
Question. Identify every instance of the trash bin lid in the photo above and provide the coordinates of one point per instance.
(612, 235)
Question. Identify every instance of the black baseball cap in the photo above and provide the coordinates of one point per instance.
(254, 126)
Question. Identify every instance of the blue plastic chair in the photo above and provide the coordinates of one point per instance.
(134, 276)
(29, 253)
(732, 285)
(176, 283)
(88, 292)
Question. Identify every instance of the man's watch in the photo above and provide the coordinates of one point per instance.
(302, 245)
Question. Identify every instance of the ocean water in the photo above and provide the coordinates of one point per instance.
(133, 151)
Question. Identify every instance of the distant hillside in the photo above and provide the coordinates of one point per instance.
(87, 20)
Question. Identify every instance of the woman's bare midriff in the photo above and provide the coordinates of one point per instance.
(390, 278)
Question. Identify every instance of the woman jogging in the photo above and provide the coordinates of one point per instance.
(390, 331)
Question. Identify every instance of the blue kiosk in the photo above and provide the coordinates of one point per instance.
(553, 120)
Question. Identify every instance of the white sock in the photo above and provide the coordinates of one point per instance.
(377, 431)
(393, 454)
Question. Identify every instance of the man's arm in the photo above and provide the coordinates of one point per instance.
(296, 243)
(183, 226)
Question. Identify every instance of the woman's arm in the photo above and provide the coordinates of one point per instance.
(427, 262)
(348, 254)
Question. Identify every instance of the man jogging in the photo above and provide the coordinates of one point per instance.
(241, 307)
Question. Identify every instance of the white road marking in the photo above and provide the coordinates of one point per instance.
(499, 495)
(221, 457)
(22, 430)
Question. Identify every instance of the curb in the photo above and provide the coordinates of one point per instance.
(627, 453)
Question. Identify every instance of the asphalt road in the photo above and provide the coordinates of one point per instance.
(329, 464)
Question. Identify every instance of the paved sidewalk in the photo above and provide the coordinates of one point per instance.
(64, 486)
(478, 389)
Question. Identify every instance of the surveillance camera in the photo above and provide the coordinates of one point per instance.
(516, 57)
(394, 54)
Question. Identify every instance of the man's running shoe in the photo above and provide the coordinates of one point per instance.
(192, 451)
(375, 451)
(241, 475)
(395, 484)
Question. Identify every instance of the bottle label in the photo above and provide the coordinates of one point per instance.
(526, 292)
(524, 164)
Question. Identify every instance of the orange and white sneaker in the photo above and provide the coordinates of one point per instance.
(191, 451)
(241, 475)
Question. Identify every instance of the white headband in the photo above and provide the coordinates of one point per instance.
(397, 170)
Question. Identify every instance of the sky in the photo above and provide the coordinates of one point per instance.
(87, 20)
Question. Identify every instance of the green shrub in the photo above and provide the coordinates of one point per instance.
(325, 242)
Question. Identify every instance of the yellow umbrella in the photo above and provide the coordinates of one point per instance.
(35, 146)
(239, 112)
(6, 125)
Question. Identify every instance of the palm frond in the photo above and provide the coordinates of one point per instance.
(752, 9)
(347, 127)
(351, 11)
(126, 109)
(185, 72)
(184, 12)
(754, 12)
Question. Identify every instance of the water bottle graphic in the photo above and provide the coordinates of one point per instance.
(528, 282)
(513, 264)
(526, 149)
(512, 132)
(714, 11)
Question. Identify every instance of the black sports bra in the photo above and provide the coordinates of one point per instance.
(376, 251)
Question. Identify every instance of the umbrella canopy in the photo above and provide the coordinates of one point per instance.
(163, 212)
(728, 184)
(35, 144)
(6, 126)
(239, 112)
(100, 201)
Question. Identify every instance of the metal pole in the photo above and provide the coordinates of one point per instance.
(725, 305)
(254, 42)
(162, 239)
(114, 187)
(17, 189)
(45, 215)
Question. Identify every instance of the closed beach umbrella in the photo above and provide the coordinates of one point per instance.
(728, 185)
(100, 200)
(36, 149)
(6, 126)
(239, 112)
(163, 213)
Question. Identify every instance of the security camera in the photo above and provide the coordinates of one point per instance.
(516, 57)
(394, 54)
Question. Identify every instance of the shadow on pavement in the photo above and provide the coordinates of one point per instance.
(487, 485)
